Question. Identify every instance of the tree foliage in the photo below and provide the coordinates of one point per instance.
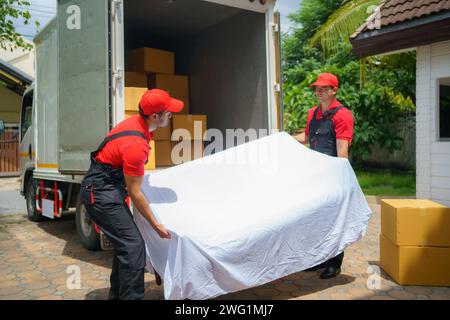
(10, 39)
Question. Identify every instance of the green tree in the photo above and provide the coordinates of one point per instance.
(10, 39)
(308, 19)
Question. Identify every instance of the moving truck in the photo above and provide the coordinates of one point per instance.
(229, 49)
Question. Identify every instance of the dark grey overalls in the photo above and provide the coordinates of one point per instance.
(322, 138)
(103, 193)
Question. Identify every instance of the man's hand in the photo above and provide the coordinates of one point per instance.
(140, 201)
(302, 138)
(162, 232)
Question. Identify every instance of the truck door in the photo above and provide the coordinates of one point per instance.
(84, 81)
(279, 71)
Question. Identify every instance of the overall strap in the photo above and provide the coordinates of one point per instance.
(118, 135)
(315, 113)
(331, 112)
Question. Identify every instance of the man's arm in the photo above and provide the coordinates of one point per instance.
(342, 148)
(141, 203)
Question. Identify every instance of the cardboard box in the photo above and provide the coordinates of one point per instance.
(163, 152)
(151, 60)
(194, 124)
(168, 153)
(188, 150)
(151, 164)
(413, 265)
(133, 96)
(176, 86)
(411, 222)
(163, 133)
(136, 79)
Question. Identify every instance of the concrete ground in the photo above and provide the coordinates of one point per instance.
(41, 261)
(11, 202)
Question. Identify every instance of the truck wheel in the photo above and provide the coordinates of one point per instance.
(90, 239)
(30, 197)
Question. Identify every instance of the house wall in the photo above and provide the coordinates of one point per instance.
(20, 58)
(433, 156)
(10, 103)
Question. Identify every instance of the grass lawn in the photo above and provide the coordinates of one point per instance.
(386, 182)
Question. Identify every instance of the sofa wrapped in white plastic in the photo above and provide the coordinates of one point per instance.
(249, 215)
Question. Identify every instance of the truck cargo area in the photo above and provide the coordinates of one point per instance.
(221, 49)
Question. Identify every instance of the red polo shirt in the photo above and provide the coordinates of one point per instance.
(129, 152)
(342, 120)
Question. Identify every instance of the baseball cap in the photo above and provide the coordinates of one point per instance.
(326, 79)
(157, 100)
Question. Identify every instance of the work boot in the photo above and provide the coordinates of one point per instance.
(330, 272)
(315, 268)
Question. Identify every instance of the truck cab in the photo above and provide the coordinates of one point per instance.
(27, 149)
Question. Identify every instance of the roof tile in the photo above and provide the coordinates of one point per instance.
(396, 11)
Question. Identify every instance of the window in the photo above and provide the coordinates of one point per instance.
(444, 109)
(27, 112)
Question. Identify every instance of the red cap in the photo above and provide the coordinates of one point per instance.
(156, 100)
(325, 80)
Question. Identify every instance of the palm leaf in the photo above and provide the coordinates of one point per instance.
(341, 24)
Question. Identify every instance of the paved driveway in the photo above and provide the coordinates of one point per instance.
(41, 261)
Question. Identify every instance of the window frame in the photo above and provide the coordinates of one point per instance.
(23, 111)
(440, 81)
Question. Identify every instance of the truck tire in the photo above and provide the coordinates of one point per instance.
(30, 197)
(89, 238)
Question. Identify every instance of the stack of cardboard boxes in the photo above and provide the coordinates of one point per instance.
(150, 68)
(415, 242)
(187, 140)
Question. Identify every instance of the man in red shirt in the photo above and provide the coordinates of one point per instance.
(329, 130)
(117, 169)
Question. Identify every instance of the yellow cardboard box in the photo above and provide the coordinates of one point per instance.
(151, 60)
(195, 126)
(151, 164)
(136, 79)
(133, 96)
(177, 86)
(414, 222)
(413, 265)
(188, 150)
(168, 153)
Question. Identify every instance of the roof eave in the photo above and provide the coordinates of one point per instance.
(408, 34)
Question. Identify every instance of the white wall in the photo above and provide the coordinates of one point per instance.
(21, 59)
(433, 156)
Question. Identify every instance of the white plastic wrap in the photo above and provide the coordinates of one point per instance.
(250, 215)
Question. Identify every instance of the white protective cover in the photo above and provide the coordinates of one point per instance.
(249, 215)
